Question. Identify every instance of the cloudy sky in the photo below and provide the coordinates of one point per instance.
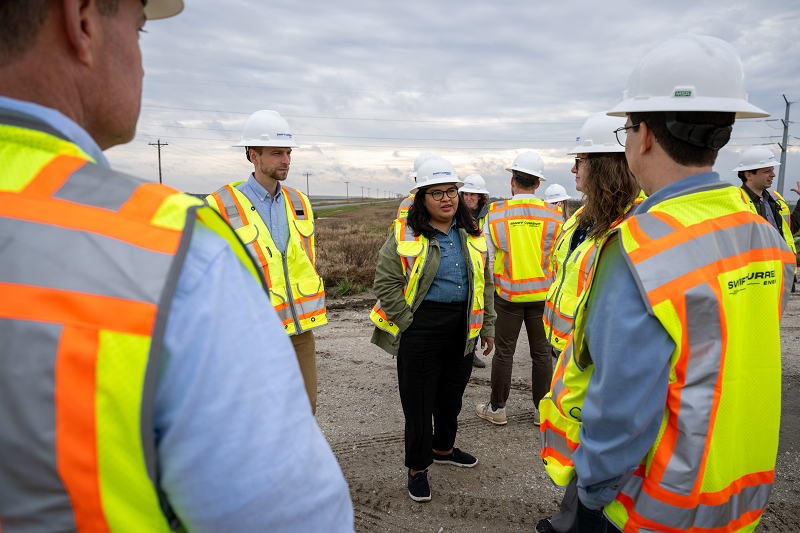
(367, 85)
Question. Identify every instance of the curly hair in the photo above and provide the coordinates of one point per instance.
(418, 217)
(608, 187)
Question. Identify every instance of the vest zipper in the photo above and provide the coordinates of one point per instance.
(295, 319)
(558, 293)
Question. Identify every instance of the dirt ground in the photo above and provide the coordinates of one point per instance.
(359, 412)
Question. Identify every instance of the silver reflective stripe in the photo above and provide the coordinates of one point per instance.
(704, 326)
(551, 439)
(558, 323)
(297, 203)
(788, 278)
(231, 210)
(33, 496)
(521, 287)
(558, 386)
(550, 230)
(653, 227)
(59, 258)
(752, 498)
(311, 305)
(97, 186)
(502, 238)
(694, 254)
(522, 210)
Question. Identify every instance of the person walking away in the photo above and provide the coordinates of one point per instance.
(611, 194)
(475, 196)
(277, 225)
(146, 387)
(666, 436)
(521, 235)
(434, 299)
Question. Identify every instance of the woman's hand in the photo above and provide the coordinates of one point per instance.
(488, 343)
(797, 190)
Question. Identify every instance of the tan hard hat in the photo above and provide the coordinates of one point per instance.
(162, 9)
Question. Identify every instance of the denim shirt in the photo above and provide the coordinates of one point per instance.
(451, 283)
(273, 213)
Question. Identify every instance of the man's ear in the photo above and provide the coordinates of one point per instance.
(82, 26)
(537, 185)
(648, 139)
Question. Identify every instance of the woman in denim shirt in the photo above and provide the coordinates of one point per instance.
(433, 342)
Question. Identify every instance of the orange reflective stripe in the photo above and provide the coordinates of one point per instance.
(53, 175)
(76, 426)
(242, 212)
(146, 200)
(77, 309)
(307, 298)
(312, 313)
(221, 206)
(263, 261)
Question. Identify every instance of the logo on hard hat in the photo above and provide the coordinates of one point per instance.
(578, 139)
(683, 93)
(443, 173)
(287, 135)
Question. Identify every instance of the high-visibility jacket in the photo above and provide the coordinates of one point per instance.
(572, 272)
(405, 206)
(706, 265)
(786, 220)
(89, 261)
(524, 233)
(295, 288)
(413, 252)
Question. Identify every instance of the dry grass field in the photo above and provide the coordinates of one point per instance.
(348, 241)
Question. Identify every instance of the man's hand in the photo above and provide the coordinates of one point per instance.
(797, 190)
(488, 342)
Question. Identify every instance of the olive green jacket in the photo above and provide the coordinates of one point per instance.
(388, 288)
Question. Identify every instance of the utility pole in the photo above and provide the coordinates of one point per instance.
(784, 146)
(362, 192)
(308, 193)
(160, 144)
(347, 188)
(369, 189)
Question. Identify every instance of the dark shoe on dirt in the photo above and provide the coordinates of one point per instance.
(477, 362)
(456, 458)
(544, 526)
(418, 487)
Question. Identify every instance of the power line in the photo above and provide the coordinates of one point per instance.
(159, 144)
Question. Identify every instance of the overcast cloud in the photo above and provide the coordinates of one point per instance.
(477, 83)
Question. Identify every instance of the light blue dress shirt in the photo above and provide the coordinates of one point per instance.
(238, 447)
(451, 283)
(631, 351)
(273, 213)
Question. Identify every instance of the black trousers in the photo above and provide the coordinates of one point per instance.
(593, 521)
(433, 372)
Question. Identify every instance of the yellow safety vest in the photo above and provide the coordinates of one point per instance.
(524, 233)
(572, 274)
(405, 206)
(786, 217)
(413, 252)
(295, 287)
(706, 265)
(90, 260)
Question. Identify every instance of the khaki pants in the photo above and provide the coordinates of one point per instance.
(306, 350)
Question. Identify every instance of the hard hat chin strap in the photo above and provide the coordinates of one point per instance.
(704, 135)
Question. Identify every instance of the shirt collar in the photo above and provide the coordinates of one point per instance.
(60, 122)
(452, 225)
(689, 182)
(523, 196)
(259, 189)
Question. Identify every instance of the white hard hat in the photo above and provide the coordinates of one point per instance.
(266, 128)
(597, 135)
(436, 171)
(529, 163)
(474, 183)
(755, 158)
(555, 193)
(161, 9)
(689, 73)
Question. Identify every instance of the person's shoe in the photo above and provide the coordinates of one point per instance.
(418, 487)
(456, 458)
(536, 418)
(487, 412)
(544, 526)
(476, 361)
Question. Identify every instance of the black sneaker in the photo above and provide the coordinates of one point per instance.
(457, 458)
(476, 361)
(418, 487)
(544, 526)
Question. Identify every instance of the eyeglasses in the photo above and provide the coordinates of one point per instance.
(578, 162)
(437, 195)
(622, 133)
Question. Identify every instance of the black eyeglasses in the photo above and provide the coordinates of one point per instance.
(622, 133)
(437, 195)
(578, 162)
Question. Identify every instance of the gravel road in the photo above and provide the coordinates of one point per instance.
(359, 412)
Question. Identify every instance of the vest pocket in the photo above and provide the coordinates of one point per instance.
(248, 233)
(309, 287)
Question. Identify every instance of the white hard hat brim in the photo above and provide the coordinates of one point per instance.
(474, 191)
(668, 103)
(597, 149)
(162, 9)
(558, 199)
(756, 166)
(274, 144)
(527, 171)
(431, 183)
(413, 175)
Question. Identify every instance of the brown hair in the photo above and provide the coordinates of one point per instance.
(682, 152)
(609, 187)
(258, 150)
(21, 20)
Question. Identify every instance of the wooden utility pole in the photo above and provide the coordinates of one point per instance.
(308, 191)
(362, 192)
(160, 144)
(784, 146)
(347, 189)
